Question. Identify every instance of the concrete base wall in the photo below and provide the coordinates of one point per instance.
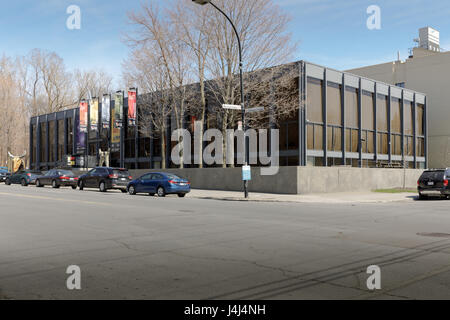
(297, 180)
(341, 179)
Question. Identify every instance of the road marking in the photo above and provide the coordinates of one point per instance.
(57, 199)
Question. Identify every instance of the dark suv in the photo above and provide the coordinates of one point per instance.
(105, 178)
(434, 182)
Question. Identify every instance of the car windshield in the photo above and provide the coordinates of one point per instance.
(434, 175)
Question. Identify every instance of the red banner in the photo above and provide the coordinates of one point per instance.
(83, 116)
(132, 107)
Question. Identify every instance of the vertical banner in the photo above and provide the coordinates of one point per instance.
(94, 114)
(132, 107)
(115, 131)
(83, 117)
(80, 133)
(106, 109)
(118, 109)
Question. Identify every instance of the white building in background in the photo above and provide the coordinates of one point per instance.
(426, 70)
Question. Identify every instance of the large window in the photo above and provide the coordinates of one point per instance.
(51, 142)
(60, 140)
(334, 116)
(351, 119)
(130, 147)
(382, 124)
(34, 141)
(367, 110)
(408, 120)
(396, 128)
(43, 142)
(314, 114)
(420, 130)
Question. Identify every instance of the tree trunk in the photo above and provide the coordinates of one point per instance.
(163, 150)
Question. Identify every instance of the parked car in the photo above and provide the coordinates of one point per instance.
(4, 174)
(105, 178)
(161, 184)
(23, 177)
(57, 178)
(434, 182)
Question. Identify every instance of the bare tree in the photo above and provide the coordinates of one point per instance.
(92, 83)
(145, 70)
(155, 32)
(12, 117)
(263, 45)
(192, 23)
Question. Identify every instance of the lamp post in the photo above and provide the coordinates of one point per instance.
(244, 127)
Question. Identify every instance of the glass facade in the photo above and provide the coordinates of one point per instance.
(382, 126)
(342, 119)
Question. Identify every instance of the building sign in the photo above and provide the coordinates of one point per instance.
(246, 173)
(118, 109)
(94, 114)
(132, 107)
(83, 119)
(106, 111)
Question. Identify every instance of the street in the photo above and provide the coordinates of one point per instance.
(142, 247)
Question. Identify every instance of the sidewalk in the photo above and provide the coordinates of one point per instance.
(341, 197)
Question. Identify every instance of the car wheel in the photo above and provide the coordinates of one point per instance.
(102, 187)
(81, 185)
(161, 192)
(74, 187)
(181, 195)
(55, 184)
(131, 190)
(23, 183)
(8, 182)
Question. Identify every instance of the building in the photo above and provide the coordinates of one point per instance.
(342, 119)
(427, 70)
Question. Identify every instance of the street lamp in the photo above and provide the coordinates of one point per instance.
(203, 2)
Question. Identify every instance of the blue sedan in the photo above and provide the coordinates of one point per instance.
(159, 183)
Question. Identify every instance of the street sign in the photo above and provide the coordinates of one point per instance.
(257, 109)
(231, 106)
(246, 173)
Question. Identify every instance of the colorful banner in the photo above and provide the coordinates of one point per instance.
(94, 114)
(83, 118)
(132, 107)
(118, 109)
(80, 135)
(106, 111)
(115, 132)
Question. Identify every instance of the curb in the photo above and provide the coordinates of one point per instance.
(300, 201)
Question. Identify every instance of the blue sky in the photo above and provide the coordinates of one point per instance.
(329, 32)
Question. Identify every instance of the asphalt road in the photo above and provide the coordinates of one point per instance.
(141, 247)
